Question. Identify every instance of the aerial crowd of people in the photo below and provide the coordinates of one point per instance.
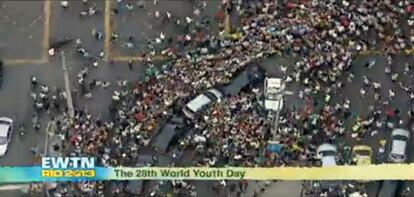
(323, 36)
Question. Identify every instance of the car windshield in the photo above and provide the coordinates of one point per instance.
(363, 152)
(398, 156)
(3, 140)
(211, 96)
(328, 153)
(4, 122)
(273, 96)
(400, 137)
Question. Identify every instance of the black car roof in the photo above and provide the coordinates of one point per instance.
(248, 76)
(163, 139)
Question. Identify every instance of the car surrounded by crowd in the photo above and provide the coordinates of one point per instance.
(273, 90)
(398, 147)
(6, 131)
(327, 153)
(251, 75)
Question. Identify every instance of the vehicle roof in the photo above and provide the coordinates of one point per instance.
(399, 131)
(362, 159)
(178, 120)
(274, 82)
(243, 79)
(398, 147)
(3, 130)
(134, 187)
(328, 161)
(163, 161)
(163, 140)
(143, 159)
(198, 102)
(274, 104)
(388, 188)
(234, 87)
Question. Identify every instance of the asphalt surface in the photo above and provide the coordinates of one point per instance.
(22, 29)
(21, 38)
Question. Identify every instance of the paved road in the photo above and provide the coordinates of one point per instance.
(21, 35)
(279, 188)
(23, 40)
(141, 23)
(17, 18)
(359, 106)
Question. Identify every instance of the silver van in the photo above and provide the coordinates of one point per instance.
(399, 140)
(200, 102)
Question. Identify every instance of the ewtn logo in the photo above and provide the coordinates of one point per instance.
(68, 162)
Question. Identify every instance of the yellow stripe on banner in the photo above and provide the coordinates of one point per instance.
(370, 172)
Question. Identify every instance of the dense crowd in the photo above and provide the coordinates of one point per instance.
(323, 35)
(234, 130)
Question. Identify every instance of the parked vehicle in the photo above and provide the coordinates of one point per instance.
(273, 92)
(169, 133)
(362, 155)
(399, 140)
(200, 102)
(136, 187)
(251, 75)
(327, 153)
(6, 130)
(388, 188)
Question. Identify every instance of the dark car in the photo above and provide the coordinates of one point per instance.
(168, 134)
(253, 74)
(136, 187)
(388, 188)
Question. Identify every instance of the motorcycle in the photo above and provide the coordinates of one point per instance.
(36, 123)
(21, 132)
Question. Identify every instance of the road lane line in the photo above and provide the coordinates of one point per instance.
(24, 61)
(46, 30)
(107, 30)
(49, 124)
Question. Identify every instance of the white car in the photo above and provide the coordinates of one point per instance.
(327, 154)
(274, 88)
(201, 101)
(399, 140)
(6, 129)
